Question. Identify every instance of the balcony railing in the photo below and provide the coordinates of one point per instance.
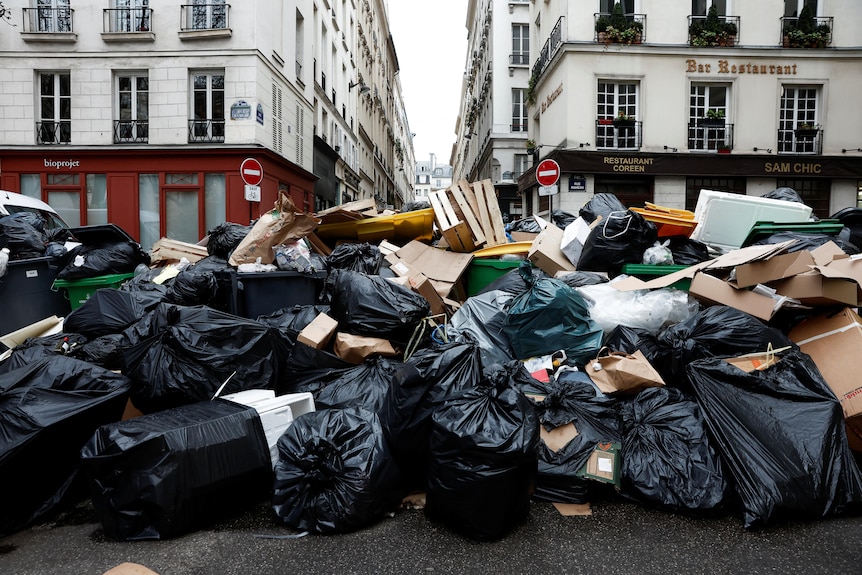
(206, 131)
(618, 136)
(800, 141)
(554, 41)
(54, 132)
(816, 35)
(131, 131)
(519, 127)
(710, 138)
(522, 59)
(48, 20)
(127, 20)
(633, 31)
(703, 33)
(196, 17)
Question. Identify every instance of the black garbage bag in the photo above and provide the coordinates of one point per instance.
(809, 241)
(578, 279)
(335, 473)
(102, 258)
(549, 317)
(511, 282)
(224, 238)
(109, 311)
(192, 287)
(562, 219)
(786, 194)
(686, 251)
(364, 385)
(357, 257)
(419, 388)
(714, 331)
(782, 438)
(164, 474)
(48, 410)
(36, 348)
(309, 370)
(289, 321)
(181, 355)
(667, 456)
(529, 225)
(483, 458)
(369, 305)
(480, 321)
(55, 250)
(105, 351)
(415, 206)
(601, 204)
(571, 405)
(631, 339)
(619, 238)
(24, 234)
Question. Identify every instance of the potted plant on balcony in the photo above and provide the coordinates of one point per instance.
(623, 120)
(616, 28)
(723, 149)
(714, 118)
(530, 145)
(806, 130)
(713, 31)
(805, 33)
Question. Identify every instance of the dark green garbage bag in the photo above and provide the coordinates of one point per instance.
(551, 316)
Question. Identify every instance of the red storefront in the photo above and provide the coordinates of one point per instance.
(183, 192)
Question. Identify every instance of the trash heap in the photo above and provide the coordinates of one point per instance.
(336, 363)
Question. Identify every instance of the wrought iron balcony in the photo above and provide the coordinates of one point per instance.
(197, 17)
(707, 137)
(127, 20)
(800, 140)
(206, 131)
(796, 34)
(54, 132)
(521, 59)
(616, 135)
(47, 20)
(131, 131)
(704, 33)
(632, 31)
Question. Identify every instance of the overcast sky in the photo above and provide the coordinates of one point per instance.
(431, 43)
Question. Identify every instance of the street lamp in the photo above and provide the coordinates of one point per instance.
(363, 87)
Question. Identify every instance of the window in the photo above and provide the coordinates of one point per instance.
(792, 8)
(132, 124)
(798, 112)
(615, 99)
(522, 164)
(55, 108)
(77, 206)
(520, 44)
(693, 186)
(814, 193)
(131, 16)
(53, 16)
(708, 113)
(519, 110)
(207, 106)
(208, 14)
(149, 212)
(606, 6)
(701, 7)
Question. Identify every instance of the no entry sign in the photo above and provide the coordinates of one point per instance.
(251, 172)
(547, 173)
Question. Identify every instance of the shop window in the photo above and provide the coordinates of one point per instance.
(814, 193)
(149, 209)
(633, 193)
(693, 186)
(97, 199)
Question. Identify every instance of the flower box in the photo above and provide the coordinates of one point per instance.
(806, 132)
(711, 122)
(620, 123)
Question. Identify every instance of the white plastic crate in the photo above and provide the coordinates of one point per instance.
(725, 219)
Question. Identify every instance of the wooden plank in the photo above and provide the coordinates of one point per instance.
(494, 212)
(366, 205)
(318, 245)
(469, 217)
(468, 193)
(459, 238)
(483, 214)
(440, 215)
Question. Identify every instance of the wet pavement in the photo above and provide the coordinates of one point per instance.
(619, 537)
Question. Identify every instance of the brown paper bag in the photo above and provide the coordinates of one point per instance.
(282, 224)
(355, 348)
(618, 372)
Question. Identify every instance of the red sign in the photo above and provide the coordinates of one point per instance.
(251, 172)
(547, 172)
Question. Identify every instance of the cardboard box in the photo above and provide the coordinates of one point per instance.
(444, 268)
(775, 268)
(355, 348)
(603, 464)
(319, 332)
(812, 288)
(545, 253)
(574, 237)
(833, 341)
(713, 290)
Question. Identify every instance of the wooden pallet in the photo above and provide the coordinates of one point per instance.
(468, 215)
(454, 230)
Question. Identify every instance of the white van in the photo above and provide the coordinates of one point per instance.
(13, 203)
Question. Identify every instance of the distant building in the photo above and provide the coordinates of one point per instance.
(431, 177)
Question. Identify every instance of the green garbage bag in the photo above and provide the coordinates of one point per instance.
(551, 316)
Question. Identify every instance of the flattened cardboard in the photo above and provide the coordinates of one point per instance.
(833, 341)
(603, 464)
(545, 253)
(443, 268)
(812, 288)
(559, 437)
(130, 569)
(319, 332)
(715, 291)
(573, 509)
(774, 268)
(423, 286)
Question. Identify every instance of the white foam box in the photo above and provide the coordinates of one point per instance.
(725, 219)
(276, 412)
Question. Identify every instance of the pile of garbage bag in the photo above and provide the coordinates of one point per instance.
(372, 375)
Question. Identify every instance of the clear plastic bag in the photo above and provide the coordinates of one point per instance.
(659, 254)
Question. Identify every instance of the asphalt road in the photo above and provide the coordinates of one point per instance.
(619, 537)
